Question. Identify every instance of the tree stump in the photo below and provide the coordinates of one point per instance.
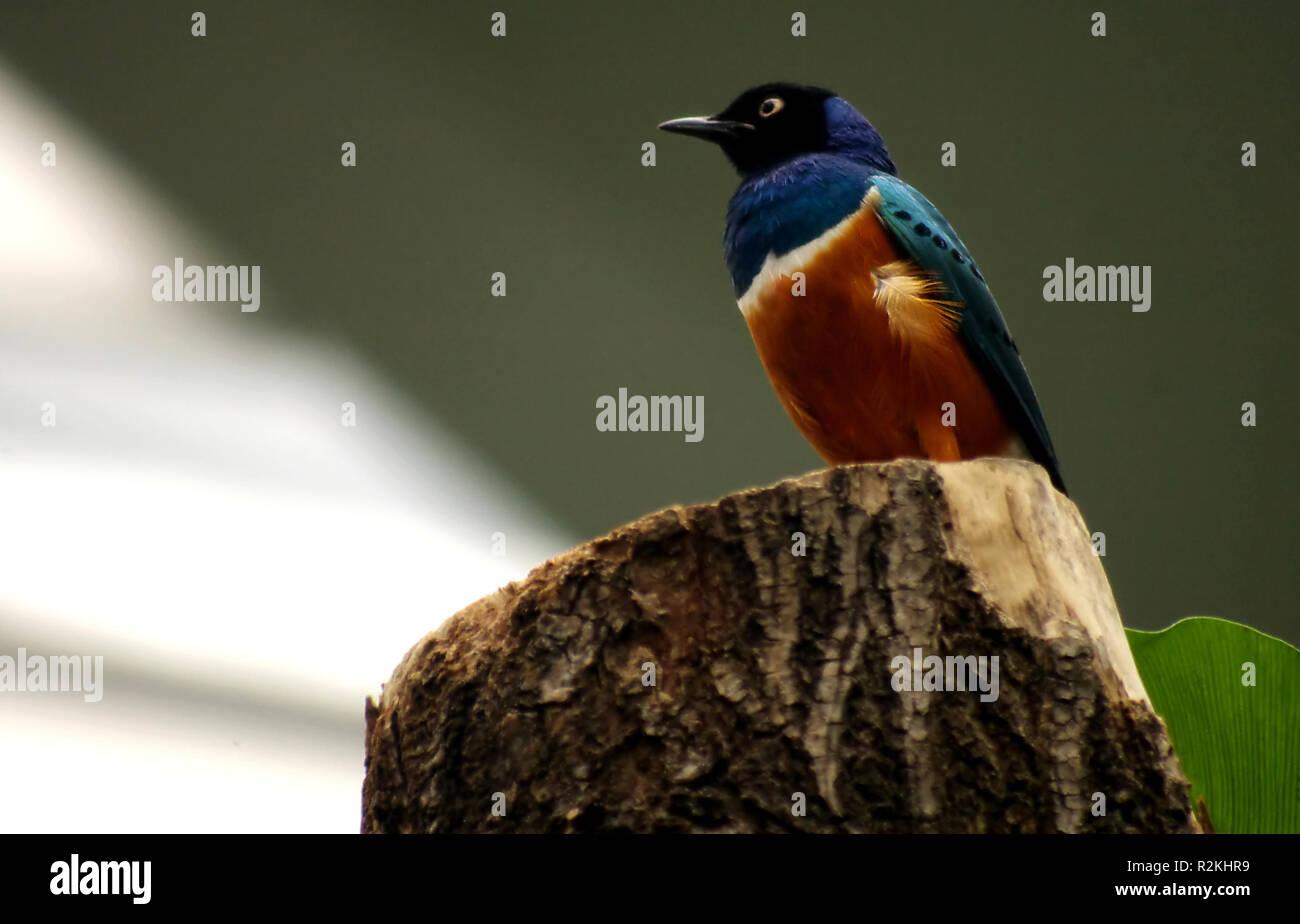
(758, 664)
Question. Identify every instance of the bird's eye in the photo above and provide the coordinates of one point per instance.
(771, 107)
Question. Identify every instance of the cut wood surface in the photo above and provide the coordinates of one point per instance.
(692, 671)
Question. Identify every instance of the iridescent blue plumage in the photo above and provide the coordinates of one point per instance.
(778, 209)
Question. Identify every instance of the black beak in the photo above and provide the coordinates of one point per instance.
(709, 129)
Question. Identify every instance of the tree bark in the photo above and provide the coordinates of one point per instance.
(692, 672)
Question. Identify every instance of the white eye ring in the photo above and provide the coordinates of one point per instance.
(770, 107)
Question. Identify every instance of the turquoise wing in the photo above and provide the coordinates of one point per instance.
(923, 234)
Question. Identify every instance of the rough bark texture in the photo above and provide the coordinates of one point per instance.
(773, 675)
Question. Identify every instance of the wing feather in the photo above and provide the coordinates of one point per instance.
(930, 243)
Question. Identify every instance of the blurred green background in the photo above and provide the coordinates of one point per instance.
(523, 155)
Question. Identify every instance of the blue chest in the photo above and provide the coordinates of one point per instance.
(778, 211)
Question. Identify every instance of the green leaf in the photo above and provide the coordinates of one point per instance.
(1238, 744)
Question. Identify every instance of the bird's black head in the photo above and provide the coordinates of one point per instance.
(765, 125)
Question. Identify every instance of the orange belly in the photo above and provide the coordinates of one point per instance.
(863, 385)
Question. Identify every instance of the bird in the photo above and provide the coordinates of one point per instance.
(873, 322)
